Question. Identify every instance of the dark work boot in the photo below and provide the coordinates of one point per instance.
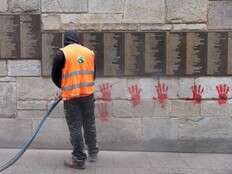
(92, 157)
(75, 163)
(93, 153)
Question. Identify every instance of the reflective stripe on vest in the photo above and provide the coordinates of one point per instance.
(74, 73)
(77, 86)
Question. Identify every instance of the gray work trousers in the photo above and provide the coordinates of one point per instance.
(79, 113)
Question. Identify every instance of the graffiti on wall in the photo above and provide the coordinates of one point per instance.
(197, 91)
(162, 93)
(223, 91)
(106, 91)
(103, 112)
(135, 91)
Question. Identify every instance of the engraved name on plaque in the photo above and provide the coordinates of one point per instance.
(9, 35)
(176, 54)
(113, 54)
(94, 41)
(51, 43)
(30, 36)
(155, 53)
(229, 67)
(196, 53)
(134, 54)
(217, 53)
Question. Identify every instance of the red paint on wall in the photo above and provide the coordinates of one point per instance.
(162, 93)
(135, 91)
(223, 91)
(197, 91)
(103, 111)
(106, 90)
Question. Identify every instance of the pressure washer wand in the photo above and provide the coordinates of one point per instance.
(28, 143)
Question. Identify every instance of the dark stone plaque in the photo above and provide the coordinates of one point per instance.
(95, 42)
(10, 36)
(81, 38)
(217, 53)
(113, 54)
(134, 54)
(196, 53)
(51, 43)
(155, 53)
(176, 54)
(30, 36)
(229, 71)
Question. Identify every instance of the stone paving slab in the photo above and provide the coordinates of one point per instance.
(114, 162)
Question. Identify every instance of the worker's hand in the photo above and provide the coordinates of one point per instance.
(58, 94)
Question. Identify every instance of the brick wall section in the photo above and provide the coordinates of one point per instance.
(182, 126)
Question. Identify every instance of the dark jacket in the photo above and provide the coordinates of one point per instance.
(70, 37)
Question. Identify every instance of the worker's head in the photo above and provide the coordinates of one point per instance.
(71, 36)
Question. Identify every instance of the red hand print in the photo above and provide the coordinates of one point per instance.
(103, 111)
(223, 91)
(134, 91)
(197, 91)
(105, 90)
(161, 90)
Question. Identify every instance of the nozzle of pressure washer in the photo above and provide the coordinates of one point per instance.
(58, 95)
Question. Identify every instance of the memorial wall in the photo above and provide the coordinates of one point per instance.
(20, 36)
(165, 66)
(123, 53)
(160, 53)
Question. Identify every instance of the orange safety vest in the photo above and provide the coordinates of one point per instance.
(78, 72)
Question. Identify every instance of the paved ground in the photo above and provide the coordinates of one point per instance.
(51, 162)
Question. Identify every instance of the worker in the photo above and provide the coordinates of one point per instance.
(74, 72)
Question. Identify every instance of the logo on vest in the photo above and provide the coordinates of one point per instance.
(80, 59)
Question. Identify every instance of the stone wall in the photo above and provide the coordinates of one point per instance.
(180, 125)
